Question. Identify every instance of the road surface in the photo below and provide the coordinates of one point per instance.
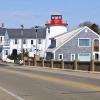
(24, 83)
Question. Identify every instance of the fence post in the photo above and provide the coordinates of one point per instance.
(92, 64)
(35, 62)
(24, 62)
(25, 59)
(51, 63)
(75, 64)
(62, 64)
(29, 62)
(42, 62)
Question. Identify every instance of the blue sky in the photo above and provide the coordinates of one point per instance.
(37, 12)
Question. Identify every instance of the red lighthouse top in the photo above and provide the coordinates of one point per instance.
(56, 19)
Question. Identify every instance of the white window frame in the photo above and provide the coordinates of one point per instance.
(84, 53)
(71, 56)
(85, 38)
(59, 56)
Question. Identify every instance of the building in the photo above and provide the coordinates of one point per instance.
(13, 39)
(55, 27)
(81, 44)
(34, 40)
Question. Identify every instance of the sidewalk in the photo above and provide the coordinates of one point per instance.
(79, 73)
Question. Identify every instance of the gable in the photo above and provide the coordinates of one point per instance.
(85, 32)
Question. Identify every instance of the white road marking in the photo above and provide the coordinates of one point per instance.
(10, 93)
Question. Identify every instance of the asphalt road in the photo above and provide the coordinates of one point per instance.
(42, 84)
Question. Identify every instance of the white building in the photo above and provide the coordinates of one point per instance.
(35, 41)
(55, 27)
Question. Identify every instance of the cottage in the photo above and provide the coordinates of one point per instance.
(80, 44)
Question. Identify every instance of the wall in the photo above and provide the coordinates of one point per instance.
(72, 65)
(30, 47)
(72, 46)
(54, 31)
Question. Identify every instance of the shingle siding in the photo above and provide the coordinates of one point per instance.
(72, 46)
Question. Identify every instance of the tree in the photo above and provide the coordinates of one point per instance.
(86, 23)
(92, 26)
(17, 57)
(95, 28)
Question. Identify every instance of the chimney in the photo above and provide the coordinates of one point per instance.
(2, 25)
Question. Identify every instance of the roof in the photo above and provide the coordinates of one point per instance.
(27, 33)
(56, 14)
(2, 31)
(60, 39)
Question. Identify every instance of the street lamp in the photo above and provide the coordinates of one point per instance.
(36, 30)
(22, 29)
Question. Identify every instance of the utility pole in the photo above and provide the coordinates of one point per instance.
(22, 29)
(36, 30)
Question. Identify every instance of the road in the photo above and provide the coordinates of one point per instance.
(45, 84)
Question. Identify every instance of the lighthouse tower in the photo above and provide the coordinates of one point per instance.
(55, 27)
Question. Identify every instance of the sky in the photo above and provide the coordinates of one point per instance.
(13, 13)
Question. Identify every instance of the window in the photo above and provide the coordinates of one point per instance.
(86, 30)
(0, 39)
(48, 29)
(6, 52)
(31, 41)
(96, 56)
(53, 43)
(84, 57)
(39, 41)
(24, 41)
(96, 45)
(72, 57)
(60, 56)
(30, 49)
(16, 41)
(84, 42)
